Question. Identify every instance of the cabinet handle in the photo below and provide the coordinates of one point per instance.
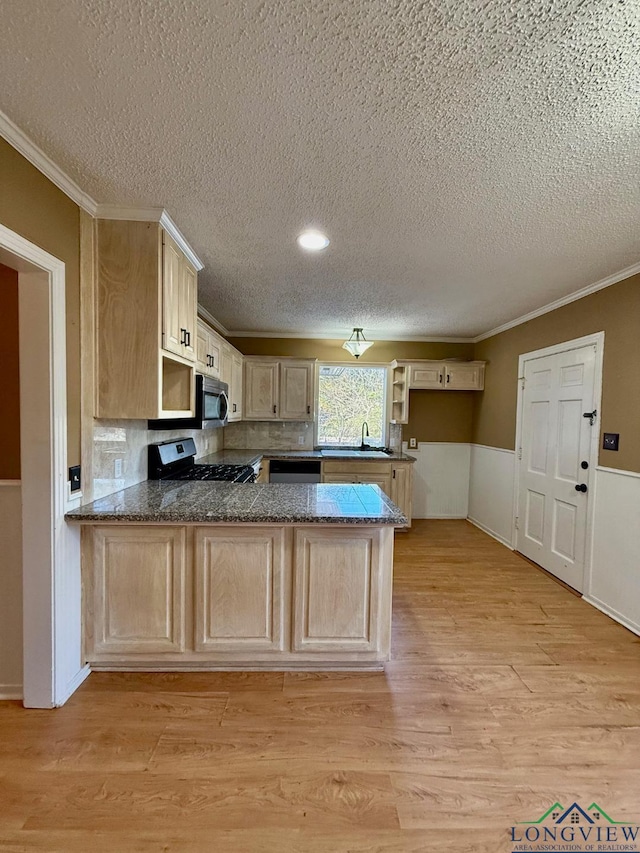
(183, 339)
(394, 474)
(188, 339)
(448, 378)
(274, 409)
(440, 378)
(235, 408)
(308, 410)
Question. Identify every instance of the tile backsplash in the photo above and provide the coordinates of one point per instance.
(120, 451)
(120, 447)
(270, 435)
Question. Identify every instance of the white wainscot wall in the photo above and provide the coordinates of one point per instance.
(491, 484)
(613, 585)
(440, 479)
(10, 589)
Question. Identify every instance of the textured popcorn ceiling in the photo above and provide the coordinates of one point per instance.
(471, 160)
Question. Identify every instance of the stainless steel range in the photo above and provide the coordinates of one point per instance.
(175, 460)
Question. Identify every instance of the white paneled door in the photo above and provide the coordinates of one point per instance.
(556, 441)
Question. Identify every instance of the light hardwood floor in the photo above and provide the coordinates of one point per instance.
(505, 694)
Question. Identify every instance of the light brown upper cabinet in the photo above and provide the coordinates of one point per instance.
(231, 373)
(209, 352)
(236, 385)
(447, 375)
(278, 390)
(179, 301)
(145, 302)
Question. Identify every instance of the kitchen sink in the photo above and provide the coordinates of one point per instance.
(365, 454)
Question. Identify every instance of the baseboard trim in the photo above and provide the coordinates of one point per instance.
(610, 611)
(491, 533)
(436, 517)
(11, 691)
(73, 685)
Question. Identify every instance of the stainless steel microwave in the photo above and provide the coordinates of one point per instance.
(212, 406)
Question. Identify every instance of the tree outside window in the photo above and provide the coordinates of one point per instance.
(348, 396)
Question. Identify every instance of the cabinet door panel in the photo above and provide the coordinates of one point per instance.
(401, 487)
(202, 349)
(296, 391)
(235, 388)
(139, 589)
(172, 335)
(188, 298)
(384, 482)
(464, 377)
(336, 590)
(427, 376)
(240, 587)
(261, 390)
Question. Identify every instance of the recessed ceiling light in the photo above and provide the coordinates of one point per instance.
(313, 241)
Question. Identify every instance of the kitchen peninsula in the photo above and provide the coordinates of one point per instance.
(238, 576)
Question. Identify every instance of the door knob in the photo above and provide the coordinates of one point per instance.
(581, 487)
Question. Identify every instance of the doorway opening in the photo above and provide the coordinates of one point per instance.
(51, 589)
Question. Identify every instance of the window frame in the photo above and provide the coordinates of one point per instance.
(386, 401)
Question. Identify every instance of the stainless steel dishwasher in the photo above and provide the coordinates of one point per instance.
(295, 471)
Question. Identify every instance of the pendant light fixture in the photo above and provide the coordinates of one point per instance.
(358, 344)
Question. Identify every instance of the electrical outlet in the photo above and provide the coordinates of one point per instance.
(117, 469)
(300, 439)
(413, 443)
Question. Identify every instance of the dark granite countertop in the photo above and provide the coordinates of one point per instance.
(250, 456)
(174, 502)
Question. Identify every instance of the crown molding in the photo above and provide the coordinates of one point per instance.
(150, 214)
(211, 320)
(614, 278)
(30, 151)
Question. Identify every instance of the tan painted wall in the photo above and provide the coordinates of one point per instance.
(434, 415)
(10, 361)
(36, 209)
(440, 416)
(614, 310)
(331, 350)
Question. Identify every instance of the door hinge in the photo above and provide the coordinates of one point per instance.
(519, 453)
(521, 378)
(517, 522)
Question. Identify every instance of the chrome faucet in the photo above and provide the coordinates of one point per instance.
(364, 431)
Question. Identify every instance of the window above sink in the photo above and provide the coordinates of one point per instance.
(348, 397)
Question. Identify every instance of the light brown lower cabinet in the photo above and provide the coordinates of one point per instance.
(138, 587)
(337, 591)
(242, 580)
(237, 596)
